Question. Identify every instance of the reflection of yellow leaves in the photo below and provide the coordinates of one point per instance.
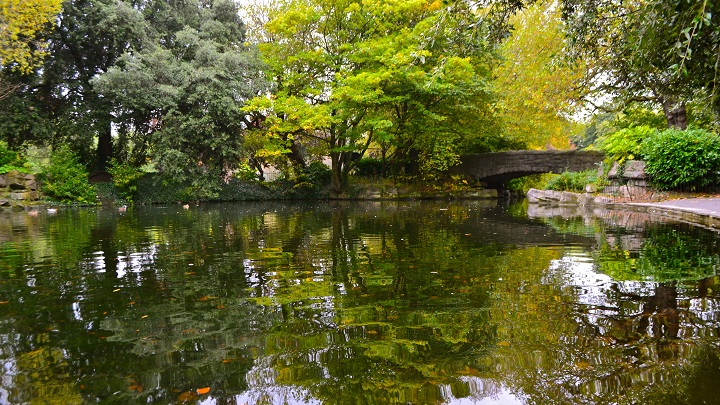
(504, 343)
(467, 371)
(583, 365)
(188, 396)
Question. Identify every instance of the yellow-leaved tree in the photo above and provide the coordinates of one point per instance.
(22, 24)
(537, 87)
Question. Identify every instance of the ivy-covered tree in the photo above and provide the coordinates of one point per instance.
(179, 94)
(89, 37)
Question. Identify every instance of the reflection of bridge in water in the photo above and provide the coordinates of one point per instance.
(499, 167)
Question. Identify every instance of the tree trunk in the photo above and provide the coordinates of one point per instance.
(337, 173)
(675, 113)
(104, 148)
(296, 155)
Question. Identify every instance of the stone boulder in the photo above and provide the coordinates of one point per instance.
(17, 188)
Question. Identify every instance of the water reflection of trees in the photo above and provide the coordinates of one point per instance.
(366, 304)
(657, 317)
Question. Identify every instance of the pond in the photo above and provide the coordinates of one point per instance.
(357, 303)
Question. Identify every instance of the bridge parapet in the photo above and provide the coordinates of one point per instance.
(498, 167)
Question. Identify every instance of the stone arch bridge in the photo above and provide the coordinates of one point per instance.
(499, 167)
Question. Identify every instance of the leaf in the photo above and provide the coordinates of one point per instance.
(203, 391)
(186, 397)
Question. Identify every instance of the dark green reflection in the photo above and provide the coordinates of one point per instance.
(348, 304)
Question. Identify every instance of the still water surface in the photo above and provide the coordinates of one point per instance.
(372, 303)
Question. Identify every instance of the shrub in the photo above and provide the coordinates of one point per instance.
(676, 158)
(625, 144)
(316, 173)
(11, 160)
(245, 172)
(572, 181)
(125, 178)
(66, 179)
(369, 167)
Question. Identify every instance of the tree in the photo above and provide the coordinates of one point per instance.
(178, 95)
(410, 75)
(22, 23)
(536, 86)
(22, 46)
(90, 36)
(660, 51)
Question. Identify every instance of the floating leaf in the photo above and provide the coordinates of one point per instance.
(188, 396)
(203, 391)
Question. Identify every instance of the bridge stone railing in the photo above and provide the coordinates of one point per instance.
(499, 167)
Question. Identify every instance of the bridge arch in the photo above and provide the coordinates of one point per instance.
(499, 167)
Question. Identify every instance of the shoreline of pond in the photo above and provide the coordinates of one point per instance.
(705, 212)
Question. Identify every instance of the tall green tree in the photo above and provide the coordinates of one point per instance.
(178, 96)
(410, 75)
(90, 36)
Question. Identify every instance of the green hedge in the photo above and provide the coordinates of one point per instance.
(680, 159)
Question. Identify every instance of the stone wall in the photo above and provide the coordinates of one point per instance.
(400, 193)
(17, 188)
(627, 181)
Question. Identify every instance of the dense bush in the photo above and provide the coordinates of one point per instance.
(369, 167)
(124, 178)
(572, 181)
(318, 174)
(66, 179)
(11, 160)
(625, 144)
(677, 159)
